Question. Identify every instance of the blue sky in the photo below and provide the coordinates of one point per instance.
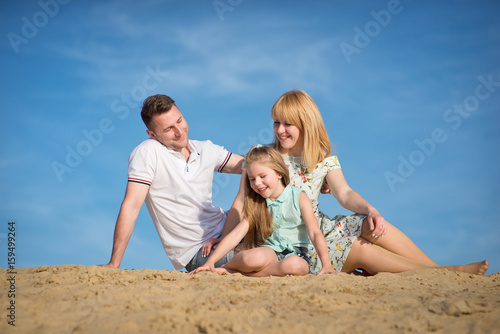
(409, 92)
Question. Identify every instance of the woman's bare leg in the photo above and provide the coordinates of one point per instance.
(476, 268)
(397, 242)
(375, 259)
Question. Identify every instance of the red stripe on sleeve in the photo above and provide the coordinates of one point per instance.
(225, 162)
(133, 179)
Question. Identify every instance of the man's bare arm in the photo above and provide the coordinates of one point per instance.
(129, 210)
(233, 166)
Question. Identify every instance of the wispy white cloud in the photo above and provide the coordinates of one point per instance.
(222, 69)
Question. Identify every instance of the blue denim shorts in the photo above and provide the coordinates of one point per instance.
(299, 251)
(198, 260)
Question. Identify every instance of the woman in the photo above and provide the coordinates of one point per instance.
(363, 240)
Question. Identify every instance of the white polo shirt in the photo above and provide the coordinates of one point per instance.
(180, 194)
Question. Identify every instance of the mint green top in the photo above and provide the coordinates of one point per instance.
(290, 230)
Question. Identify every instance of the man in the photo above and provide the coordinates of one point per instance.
(174, 176)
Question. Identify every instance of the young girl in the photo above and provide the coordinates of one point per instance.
(278, 222)
(363, 240)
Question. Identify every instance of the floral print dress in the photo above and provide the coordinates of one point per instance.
(339, 231)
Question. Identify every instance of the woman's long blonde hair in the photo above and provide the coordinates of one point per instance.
(298, 108)
(260, 222)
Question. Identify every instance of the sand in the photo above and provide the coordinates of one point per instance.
(80, 299)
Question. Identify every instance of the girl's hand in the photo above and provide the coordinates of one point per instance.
(207, 247)
(205, 267)
(327, 270)
(377, 223)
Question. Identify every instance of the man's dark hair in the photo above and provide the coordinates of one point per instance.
(155, 105)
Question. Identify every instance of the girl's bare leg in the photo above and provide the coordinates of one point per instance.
(252, 262)
(397, 242)
(375, 259)
(262, 261)
(291, 265)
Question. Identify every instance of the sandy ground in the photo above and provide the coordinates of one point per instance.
(80, 299)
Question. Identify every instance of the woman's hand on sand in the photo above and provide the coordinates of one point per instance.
(207, 247)
(327, 270)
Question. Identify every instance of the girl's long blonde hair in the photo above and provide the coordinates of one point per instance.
(298, 108)
(260, 222)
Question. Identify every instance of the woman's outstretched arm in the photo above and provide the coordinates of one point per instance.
(353, 201)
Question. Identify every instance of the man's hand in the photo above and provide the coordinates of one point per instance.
(207, 247)
(109, 265)
(325, 189)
